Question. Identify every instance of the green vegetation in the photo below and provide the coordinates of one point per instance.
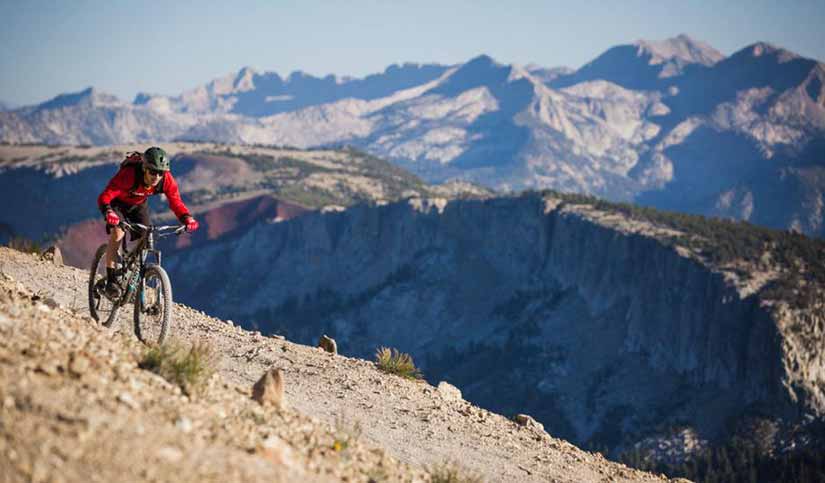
(301, 318)
(345, 434)
(723, 242)
(311, 197)
(739, 463)
(393, 362)
(285, 175)
(452, 473)
(187, 368)
(23, 244)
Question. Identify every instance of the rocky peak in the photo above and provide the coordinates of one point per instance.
(765, 49)
(645, 64)
(480, 71)
(89, 97)
(245, 80)
(298, 76)
(815, 84)
(758, 65)
(681, 48)
(547, 75)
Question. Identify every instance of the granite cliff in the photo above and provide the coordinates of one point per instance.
(604, 326)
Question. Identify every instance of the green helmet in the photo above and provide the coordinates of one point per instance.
(156, 158)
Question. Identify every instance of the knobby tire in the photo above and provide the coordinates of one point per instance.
(145, 327)
(100, 255)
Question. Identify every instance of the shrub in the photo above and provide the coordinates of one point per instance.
(394, 362)
(24, 245)
(187, 368)
(451, 473)
(345, 434)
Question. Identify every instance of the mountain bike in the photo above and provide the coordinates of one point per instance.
(144, 284)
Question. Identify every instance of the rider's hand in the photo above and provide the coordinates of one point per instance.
(112, 218)
(191, 224)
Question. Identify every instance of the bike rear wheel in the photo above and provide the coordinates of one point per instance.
(153, 306)
(101, 308)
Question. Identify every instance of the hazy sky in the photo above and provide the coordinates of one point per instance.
(51, 47)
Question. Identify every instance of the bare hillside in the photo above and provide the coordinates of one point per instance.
(74, 399)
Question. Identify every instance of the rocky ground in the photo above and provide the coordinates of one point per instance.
(76, 407)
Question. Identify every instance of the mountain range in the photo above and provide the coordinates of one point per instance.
(673, 124)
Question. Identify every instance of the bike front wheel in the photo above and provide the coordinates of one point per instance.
(101, 308)
(153, 306)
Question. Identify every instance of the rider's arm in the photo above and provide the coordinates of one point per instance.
(119, 184)
(170, 189)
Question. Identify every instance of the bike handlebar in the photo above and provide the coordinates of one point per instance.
(176, 229)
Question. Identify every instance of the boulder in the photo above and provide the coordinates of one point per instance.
(528, 421)
(53, 255)
(269, 390)
(449, 392)
(328, 344)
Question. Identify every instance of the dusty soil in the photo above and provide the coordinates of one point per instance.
(115, 420)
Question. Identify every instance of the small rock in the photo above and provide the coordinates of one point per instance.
(269, 390)
(184, 424)
(449, 392)
(170, 454)
(5, 322)
(128, 400)
(328, 344)
(50, 368)
(229, 322)
(528, 421)
(277, 451)
(51, 303)
(52, 254)
(78, 364)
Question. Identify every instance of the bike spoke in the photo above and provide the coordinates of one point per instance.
(150, 310)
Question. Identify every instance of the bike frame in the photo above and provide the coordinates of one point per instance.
(140, 253)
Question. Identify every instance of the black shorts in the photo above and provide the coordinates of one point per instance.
(132, 214)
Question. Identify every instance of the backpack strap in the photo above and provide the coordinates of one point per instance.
(133, 157)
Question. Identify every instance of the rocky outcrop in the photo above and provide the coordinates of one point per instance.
(600, 326)
(328, 344)
(269, 390)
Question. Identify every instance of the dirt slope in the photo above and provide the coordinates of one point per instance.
(121, 420)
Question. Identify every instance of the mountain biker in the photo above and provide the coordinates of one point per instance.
(126, 194)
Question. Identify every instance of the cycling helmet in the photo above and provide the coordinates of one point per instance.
(156, 158)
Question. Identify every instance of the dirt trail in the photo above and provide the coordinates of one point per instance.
(413, 421)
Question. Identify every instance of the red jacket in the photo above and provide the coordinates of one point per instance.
(123, 188)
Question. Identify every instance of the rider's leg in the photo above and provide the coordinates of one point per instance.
(116, 234)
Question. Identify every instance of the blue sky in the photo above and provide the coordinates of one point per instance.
(122, 47)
